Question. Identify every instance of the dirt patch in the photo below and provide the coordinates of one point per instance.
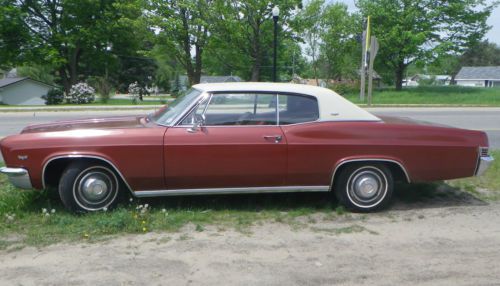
(430, 246)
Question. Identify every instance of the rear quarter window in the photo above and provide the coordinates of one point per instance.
(295, 109)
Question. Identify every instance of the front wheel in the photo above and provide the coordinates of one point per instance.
(364, 187)
(87, 187)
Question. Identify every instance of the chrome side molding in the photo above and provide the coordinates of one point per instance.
(370, 160)
(83, 156)
(223, 191)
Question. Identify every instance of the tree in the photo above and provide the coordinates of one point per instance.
(184, 28)
(309, 20)
(62, 32)
(481, 54)
(412, 30)
(338, 42)
(243, 33)
(13, 34)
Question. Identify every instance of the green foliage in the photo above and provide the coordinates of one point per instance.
(481, 54)
(102, 86)
(422, 29)
(242, 37)
(13, 34)
(41, 73)
(54, 96)
(344, 88)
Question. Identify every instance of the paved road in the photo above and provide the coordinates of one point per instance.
(486, 119)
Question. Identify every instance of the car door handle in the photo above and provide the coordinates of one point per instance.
(277, 138)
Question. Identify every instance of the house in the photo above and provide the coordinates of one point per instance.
(184, 82)
(479, 76)
(23, 91)
(431, 80)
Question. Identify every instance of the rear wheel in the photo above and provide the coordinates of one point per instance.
(88, 186)
(364, 187)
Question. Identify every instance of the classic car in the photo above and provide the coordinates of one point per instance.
(237, 138)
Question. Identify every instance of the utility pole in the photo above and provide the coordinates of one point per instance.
(373, 54)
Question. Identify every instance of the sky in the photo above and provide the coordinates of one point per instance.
(494, 21)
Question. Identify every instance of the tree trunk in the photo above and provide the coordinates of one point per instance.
(186, 46)
(256, 53)
(399, 73)
(64, 79)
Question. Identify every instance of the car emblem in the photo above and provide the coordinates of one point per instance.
(22, 157)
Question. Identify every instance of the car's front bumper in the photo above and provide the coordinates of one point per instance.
(483, 164)
(19, 177)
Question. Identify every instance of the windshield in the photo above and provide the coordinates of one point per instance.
(167, 114)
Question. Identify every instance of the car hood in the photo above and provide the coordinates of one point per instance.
(93, 123)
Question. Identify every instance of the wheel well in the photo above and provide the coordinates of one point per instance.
(397, 170)
(54, 169)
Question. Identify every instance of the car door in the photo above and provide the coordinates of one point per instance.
(238, 145)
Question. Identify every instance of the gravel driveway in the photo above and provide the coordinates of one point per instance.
(448, 241)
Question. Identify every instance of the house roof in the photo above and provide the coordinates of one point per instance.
(332, 107)
(12, 80)
(479, 73)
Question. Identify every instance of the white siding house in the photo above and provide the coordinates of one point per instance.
(23, 91)
(479, 76)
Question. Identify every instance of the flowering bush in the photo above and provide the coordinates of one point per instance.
(81, 93)
(134, 89)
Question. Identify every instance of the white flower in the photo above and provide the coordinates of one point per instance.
(146, 206)
(105, 209)
(44, 210)
(131, 200)
(47, 214)
(10, 218)
(53, 211)
(163, 210)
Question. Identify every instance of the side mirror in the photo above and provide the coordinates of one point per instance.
(199, 120)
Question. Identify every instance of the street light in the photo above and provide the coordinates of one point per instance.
(276, 14)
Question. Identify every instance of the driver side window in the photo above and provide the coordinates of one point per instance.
(227, 109)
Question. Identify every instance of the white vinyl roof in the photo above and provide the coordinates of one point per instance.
(332, 107)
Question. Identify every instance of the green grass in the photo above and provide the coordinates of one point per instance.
(28, 224)
(439, 95)
(486, 187)
(22, 221)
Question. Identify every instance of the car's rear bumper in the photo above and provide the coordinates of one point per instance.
(483, 164)
(19, 177)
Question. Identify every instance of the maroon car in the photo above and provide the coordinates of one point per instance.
(241, 138)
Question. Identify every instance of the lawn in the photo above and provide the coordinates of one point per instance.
(438, 95)
(38, 218)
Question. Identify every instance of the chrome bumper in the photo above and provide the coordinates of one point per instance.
(483, 164)
(19, 177)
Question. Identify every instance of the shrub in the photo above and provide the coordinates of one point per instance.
(102, 86)
(345, 88)
(81, 93)
(54, 96)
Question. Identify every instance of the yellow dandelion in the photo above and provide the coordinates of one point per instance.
(144, 229)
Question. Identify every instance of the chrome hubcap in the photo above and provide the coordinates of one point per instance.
(367, 187)
(95, 187)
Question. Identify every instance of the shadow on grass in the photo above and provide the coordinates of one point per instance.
(431, 195)
(405, 197)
